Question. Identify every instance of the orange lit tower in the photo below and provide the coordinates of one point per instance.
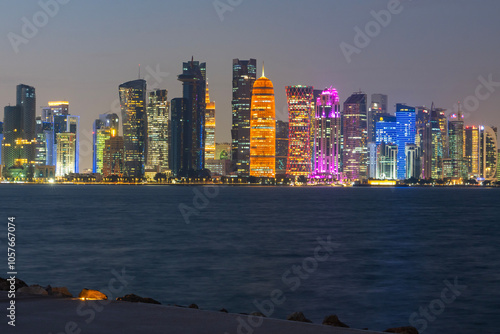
(263, 129)
(209, 127)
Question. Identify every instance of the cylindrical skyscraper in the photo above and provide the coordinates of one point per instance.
(263, 129)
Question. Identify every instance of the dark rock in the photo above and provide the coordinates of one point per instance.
(136, 299)
(258, 314)
(298, 316)
(194, 306)
(33, 290)
(223, 310)
(333, 320)
(5, 285)
(402, 330)
(92, 295)
(62, 292)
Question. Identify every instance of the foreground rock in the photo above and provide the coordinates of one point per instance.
(33, 290)
(298, 316)
(92, 295)
(5, 285)
(333, 320)
(60, 292)
(194, 306)
(402, 330)
(258, 314)
(137, 299)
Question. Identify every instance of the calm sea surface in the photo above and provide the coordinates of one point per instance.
(395, 249)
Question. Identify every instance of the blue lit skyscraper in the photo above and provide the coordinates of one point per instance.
(385, 129)
(405, 134)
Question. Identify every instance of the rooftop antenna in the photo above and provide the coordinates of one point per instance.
(263, 72)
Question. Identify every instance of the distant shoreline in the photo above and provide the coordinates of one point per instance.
(244, 185)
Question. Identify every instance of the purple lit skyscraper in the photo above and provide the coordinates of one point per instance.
(327, 136)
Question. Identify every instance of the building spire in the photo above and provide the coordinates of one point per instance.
(263, 73)
(139, 71)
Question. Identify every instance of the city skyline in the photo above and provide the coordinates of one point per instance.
(384, 66)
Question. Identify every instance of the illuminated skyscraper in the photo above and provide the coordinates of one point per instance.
(134, 121)
(424, 140)
(66, 151)
(488, 152)
(471, 153)
(193, 80)
(209, 128)
(312, 120)
(355, 137)
(300, 104)
(438, 148)
(327, 136)
(102, 135)
(158, 130)
(44, 142)
(12, 142)
(413, 169)
(456, 144)
(66, 124)
(55, 108)
(387, 156)
(1, 142)
(113, 157)
(378, 106)
(244, 76)
(405, 134)
(281, 147)
(19, 145)
(105, 127)
(26, 100)
(263, 129)
(385, 129)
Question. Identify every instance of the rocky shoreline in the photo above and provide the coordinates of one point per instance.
(21, 288)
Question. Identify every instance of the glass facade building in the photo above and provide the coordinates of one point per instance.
(378, 105)
(114, 157)
(281, 147)
(193, 80)
(385, 129)
(66, 151)
(355, 136)
(456, 145)
(158, 110)
(134, 121)
(105, 127)
(405, 134)
(327, 136)
(300, 107)
(244, 76)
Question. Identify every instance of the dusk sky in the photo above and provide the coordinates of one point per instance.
(432, 50)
